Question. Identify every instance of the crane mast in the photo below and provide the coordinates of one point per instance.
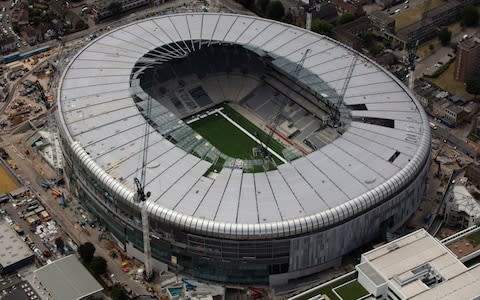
(142, 197)
(412, 48)
(335, 109)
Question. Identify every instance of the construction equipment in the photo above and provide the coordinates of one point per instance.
(63, 202)
(334, 111)
(301, 62)
(313, 5)
(255, 293)
(412, 47)
(188, 285)
(438, 173)
(276, 121)
(142, 197)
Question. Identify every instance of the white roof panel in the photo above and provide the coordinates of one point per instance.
(227, 210)
(247, 206)
(99, 116)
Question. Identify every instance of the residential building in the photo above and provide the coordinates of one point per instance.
(349, 6)
(20, 16)
(101, 8)
(7, 44)
(417, 266)
(458, 99)
(455, 114)
(382, 21)
(30, 35)
(350, 33)
(468, 58)
(326, 11)
(442, 15)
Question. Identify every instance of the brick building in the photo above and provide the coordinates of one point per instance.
(468, 59)
(101, 8)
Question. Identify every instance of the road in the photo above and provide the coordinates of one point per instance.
(65, 217)
(465, 146)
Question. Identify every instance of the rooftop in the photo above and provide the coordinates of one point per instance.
(419, 266)
(104, 126)
(67, 279)
(464, 201)
(13, 248)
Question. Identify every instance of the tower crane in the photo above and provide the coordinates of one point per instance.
(335, 109)
(142, 197)
(273, 127)
(312, 5)
(412, 47)
(300, 63)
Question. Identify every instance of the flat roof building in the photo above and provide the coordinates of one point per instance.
(68, 279)
(417, 266)
(15, 253)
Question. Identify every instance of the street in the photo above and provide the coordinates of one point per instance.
(465, 146)
(65, 218)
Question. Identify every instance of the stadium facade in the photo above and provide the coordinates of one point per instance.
(236, 226)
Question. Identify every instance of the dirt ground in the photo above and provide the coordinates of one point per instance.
(463, 247)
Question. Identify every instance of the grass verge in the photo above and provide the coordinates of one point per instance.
(474, 238)
(447, 82)
(352, 291)
(327, 290)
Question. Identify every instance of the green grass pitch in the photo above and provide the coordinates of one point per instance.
(225, 136)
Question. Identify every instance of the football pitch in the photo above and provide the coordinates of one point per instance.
(224, 136)
(229, 139)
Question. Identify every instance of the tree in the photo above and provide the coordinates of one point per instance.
(263, 5)
(115, 7)
(86, 252)
(288, 18)
(470, 15)
(473, 85)
(98, 265)
(247, 3)
(345, 18)
(118, 292)
(275, 10)
(444, 35)
(322, 26)
(368, 38)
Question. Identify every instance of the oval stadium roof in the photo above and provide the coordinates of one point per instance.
(362, 167)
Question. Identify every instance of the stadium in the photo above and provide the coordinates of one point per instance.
(272, 151)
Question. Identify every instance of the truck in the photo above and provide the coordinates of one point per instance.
(433, 126)
(18, 229)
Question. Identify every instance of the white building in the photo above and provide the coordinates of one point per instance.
(462, 208)
(67, 279)
(417, 266)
